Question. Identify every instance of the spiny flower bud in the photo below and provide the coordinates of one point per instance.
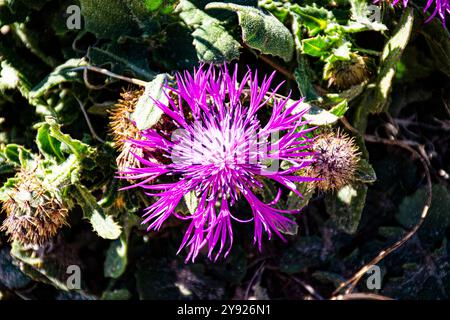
(34, 212)
(123, 129)
(335, 162)
(345, 74)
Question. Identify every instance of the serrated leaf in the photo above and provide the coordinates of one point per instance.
(147, 114)
(78, 148)
(315, 19)
(261, 31)
(102, 224)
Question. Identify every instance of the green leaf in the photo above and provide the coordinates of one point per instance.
(116, 258)
(438, 218)
(147, 114)
(212, 42)
(12, 78)
(390, 57)
(365, 172)
(113, 19)
(102, 224)
(47, 268)
(18, 155)
(48, 146)
(320, 117)
(117, 294)
(315, 19)
(294, 202)
(122, 58)
(261, 31)
(78, 148)
(363, 18)
(303, 79)
(346, 206)
(303, 73)
(316, 47)
(60, 74)
(340, 109)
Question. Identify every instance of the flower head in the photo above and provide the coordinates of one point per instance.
(122, 129)
(34, 211)
(221, 152)
(344, 74)
(335, 162)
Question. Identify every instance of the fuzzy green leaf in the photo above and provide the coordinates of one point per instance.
(147, 114)
(212, 42)
(261, 31)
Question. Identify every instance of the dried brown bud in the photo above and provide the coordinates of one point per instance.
(123, 129)
(34, 212)
(345, 74)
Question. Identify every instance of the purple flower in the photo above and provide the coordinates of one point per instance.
(441, 8)
(222, 152)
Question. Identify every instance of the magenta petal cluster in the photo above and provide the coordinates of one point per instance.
(222, 152)
(441, 8)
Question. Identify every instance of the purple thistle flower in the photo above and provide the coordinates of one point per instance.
(222, 152)
(441, 8)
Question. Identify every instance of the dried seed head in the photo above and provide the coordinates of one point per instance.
(335, 162)
(34, 213)
(345, 74)
(122, 128)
